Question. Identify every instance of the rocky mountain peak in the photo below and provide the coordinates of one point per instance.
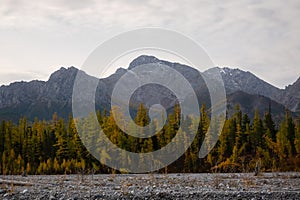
(231, 71)
(239, 80)
(121, 71)
(141, 60)
(63, 73)
(41, 99)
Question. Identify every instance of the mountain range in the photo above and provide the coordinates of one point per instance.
(43, 98)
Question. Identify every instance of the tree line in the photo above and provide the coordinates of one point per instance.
(55, 147)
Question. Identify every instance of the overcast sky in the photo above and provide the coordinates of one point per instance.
(38, 37)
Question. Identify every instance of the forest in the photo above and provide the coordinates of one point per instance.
(55, 147)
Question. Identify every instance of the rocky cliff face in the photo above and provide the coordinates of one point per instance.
(238, 80)
(37, 98)
(20, 93)
(17, 97)
(41, 99)
(291, 96)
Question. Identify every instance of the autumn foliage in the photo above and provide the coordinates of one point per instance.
(54, 147)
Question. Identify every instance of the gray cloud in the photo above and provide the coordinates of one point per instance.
(259, 36)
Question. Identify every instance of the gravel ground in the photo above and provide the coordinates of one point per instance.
(153, 186)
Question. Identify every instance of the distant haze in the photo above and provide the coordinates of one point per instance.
(37, 38)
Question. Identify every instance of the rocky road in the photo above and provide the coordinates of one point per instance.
(152, 186)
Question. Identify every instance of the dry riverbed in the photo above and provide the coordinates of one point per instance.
(153, 186)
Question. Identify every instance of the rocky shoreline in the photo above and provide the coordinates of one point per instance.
(152, 186)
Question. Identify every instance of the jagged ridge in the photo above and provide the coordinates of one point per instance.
(41, 99)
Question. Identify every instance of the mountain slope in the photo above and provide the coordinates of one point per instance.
(249, 103)
(41, 99)
(238, 80)
(17, 97)
(291, 96)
